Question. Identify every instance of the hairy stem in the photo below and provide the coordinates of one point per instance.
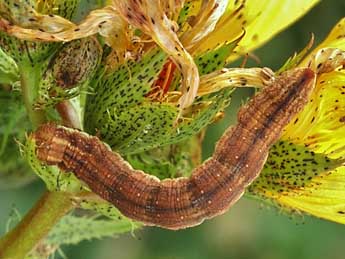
(53, 205)
(35, 225)
(30, 78)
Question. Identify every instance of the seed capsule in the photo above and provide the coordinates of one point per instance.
(69, 70)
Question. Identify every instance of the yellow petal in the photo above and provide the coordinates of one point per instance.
(335, 39)
(273, 16)
(301, 180)
(324, 199)
(105, 21)
(56, 28)
(260, 19)
(235, 77)
(321, 124)
(204, 22)
(228, 28)
(321, 128)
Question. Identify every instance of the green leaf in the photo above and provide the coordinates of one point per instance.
(54, 179)
(72, 230)
(9, 73)
(104, 208)
(14, 170)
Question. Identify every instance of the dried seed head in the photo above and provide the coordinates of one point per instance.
(68, 71)
(75, 62)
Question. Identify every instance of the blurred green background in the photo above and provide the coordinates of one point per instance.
(250, 229)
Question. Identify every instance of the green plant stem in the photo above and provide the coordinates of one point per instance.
(52, 206)
(35, 225)
(30, 78)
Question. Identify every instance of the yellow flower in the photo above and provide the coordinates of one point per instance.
(260, 20)
(186, 30)
(204, 25)
(317, 139)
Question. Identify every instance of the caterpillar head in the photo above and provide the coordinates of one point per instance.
(50, 145)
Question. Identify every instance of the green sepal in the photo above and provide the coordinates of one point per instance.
(121, 114)
(64, 8)
(9, 73)
(138, 128)
(151, 125)
(215, 59)
(26, 51)
(187, 10)
(121, 89)
(203, 112)
(20, 11)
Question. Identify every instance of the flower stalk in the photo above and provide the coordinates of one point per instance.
(29, 78)
(35, 225)
(52, 206)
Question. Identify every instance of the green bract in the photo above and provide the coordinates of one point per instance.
(130, 122)
(9, 73)
(20, 12)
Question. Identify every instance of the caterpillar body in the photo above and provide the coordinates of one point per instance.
(213, 186)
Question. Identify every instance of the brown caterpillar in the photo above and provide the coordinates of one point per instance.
(213, 186)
